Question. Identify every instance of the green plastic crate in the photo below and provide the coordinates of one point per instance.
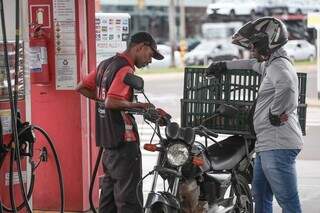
(239, 88)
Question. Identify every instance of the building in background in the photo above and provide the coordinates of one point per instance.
(152, 15)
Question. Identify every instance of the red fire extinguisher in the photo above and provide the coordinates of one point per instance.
(39, 67)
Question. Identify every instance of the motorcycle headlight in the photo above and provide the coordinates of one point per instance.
(177, 154)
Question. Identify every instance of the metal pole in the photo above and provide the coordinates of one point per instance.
(183, 44)
(172, 30)
(182, 21)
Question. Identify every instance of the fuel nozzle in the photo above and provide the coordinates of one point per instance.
(26, 137)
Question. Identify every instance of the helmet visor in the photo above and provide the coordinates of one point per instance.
(246, 36)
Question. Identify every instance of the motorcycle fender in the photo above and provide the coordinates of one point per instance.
(162, 197)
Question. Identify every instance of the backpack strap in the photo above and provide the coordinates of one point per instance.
(288, 59)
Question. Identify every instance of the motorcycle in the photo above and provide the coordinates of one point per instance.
(201, 177)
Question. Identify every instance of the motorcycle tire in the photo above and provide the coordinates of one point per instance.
(246, 205)
(162, 208)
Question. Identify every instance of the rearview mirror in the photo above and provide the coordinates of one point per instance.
(187, 134)
(134, 81)
(172, 130)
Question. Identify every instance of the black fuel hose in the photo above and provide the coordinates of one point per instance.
(1, 209)
(12, 200)
(48, 139)
(94, 174)
(15, 106)
(45, 134)
(30, 191)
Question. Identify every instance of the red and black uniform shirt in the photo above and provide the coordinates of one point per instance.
(118, 90)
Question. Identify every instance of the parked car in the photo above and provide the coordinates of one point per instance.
(220, 30)
(165, 50)
(208, 51)
(300, 50)
(192, 43)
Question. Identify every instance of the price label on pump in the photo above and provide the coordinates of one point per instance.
(5, 116)
(16, 178)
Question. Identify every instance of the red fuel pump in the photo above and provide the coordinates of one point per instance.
(61, 52)
(17, 137)
(56, 106)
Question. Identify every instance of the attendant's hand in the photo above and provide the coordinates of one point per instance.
(146, 106)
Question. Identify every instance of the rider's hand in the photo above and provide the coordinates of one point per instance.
(146, 106)
(278, 120)
(216, 69)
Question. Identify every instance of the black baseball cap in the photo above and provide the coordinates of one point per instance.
(144, 37)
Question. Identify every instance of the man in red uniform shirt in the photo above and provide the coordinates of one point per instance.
(116, 130)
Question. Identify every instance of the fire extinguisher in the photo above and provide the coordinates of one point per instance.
(39, 67)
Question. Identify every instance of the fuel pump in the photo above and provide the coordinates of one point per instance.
(62, 50)
(17, 137)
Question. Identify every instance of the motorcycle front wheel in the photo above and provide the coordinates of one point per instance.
(161, 208)
(245, 203)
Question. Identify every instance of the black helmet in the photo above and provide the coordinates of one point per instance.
(267, 34)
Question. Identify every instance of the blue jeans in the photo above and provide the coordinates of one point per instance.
(275, 174)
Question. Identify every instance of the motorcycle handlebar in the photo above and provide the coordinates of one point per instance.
(152, 114)
(136, 111)
(203, 131)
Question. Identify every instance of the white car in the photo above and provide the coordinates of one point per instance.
(207, 51)
(300, 50)
(165, 50)
(219, 30)
(232, 7)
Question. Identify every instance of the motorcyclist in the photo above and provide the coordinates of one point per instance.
(275, 121)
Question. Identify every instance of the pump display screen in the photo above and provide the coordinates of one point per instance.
(4, 92)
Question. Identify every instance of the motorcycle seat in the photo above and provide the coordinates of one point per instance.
(227, 156)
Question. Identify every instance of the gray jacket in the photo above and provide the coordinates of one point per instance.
(279, 93)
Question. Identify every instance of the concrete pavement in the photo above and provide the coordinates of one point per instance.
(309, 186)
